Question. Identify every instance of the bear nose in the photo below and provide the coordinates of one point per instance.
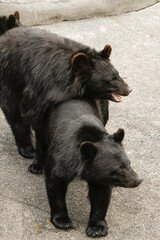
(129, 91)
(139, 181)
(126, 91)
(134, 183)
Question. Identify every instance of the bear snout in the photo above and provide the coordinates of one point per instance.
(133, 183)
(125, 91)
(138, 182)
(130, 178)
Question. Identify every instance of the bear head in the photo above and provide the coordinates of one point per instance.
(106, 163)
(102, 80)
(9, 22)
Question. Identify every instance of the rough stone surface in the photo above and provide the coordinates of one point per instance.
(50, 11)
(133, 213)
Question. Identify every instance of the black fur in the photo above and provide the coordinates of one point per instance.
(6, 23)
(79, 146)
(38, 68)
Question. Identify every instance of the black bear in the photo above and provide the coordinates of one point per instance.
(6, 23)
(79, 146)
(39, 68)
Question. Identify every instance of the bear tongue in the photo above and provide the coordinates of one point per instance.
(116, 97)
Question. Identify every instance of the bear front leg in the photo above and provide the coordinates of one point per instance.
(56, 190)
(99, 197)
(104, 105)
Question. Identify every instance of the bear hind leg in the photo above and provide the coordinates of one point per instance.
(22, 134)
(39, 127)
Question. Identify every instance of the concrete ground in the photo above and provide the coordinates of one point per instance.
(134, 214)
(40, 12)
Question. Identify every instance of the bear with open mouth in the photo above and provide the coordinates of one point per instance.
(38, 68)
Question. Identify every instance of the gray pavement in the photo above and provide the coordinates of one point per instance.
(38, 12)
(134, 214)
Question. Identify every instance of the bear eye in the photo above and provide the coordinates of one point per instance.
(119, 170)
(114, 172)
(112, 80)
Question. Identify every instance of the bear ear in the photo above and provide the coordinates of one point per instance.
(106, 52)
(80, 61)
(88, 149)
(11, 21)
(17, 15)
(119, 135)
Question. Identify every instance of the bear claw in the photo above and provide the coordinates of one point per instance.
(97, 230)
(35, 168)
(62, 222)
(27, 152)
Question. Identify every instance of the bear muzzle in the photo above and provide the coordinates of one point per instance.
(117, 95)
(128, 178)
(134, 183)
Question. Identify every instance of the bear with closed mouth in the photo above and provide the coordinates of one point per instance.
(7, 23)
(38, 68)
(78, 145)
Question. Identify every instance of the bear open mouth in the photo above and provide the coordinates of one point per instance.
(116, 97)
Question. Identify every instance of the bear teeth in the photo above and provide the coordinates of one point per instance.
(116, 97)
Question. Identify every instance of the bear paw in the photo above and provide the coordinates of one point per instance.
(27, 152)
(99, 229)
(62, 222)
(35, 168)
